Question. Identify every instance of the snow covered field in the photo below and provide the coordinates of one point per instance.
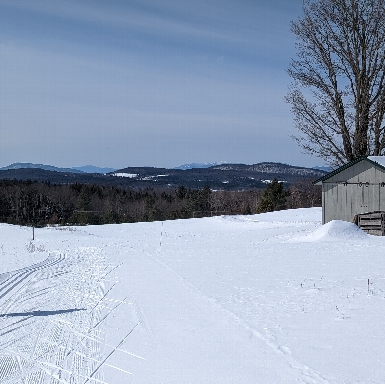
(270, 298)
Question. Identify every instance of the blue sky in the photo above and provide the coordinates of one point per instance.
(148, 82)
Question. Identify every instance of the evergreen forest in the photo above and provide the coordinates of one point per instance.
(43, 203)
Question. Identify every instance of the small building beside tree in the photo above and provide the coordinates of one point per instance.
(354, 189)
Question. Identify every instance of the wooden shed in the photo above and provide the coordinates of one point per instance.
(353, 189)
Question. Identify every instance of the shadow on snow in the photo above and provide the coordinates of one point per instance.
(41, 313)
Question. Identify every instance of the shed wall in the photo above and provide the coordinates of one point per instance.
(346, 194)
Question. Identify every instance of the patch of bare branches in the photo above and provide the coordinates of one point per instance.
(338, 90)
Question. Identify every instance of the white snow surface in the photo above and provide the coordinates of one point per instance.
(335, 230)
(129, 175)
(269, 298)
(378, 159)
(270, 181)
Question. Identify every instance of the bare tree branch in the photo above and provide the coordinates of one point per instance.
(341, 65)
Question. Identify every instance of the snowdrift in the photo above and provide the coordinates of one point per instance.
(335, 230)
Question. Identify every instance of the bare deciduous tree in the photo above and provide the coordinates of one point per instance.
(304, 194)
(338, 90)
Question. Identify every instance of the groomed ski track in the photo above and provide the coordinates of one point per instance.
(49, 319)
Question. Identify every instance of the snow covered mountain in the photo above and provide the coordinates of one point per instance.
(271, 168)
(199, 165)
(325, 168)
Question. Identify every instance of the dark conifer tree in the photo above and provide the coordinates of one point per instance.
(273, 198)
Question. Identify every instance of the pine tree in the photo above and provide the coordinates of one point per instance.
(84, 199)
(273, 198)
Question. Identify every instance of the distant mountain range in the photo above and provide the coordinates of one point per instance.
(223, 164)
(93, 169)
(220, 176)
(82, 169)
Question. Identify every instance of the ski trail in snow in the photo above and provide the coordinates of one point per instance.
(11, 280)
(49, 319)
(310, 376)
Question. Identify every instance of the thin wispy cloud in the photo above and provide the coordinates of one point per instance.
(199, 78)
(131, 18)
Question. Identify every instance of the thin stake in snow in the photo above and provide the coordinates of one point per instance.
(161, 236)
(370, 287)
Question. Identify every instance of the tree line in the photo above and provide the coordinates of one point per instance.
(40, 204)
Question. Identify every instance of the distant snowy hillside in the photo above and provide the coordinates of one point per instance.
(272, 168)
(199, 165)
(326, 169)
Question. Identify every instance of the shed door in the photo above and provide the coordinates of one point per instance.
(365, 198)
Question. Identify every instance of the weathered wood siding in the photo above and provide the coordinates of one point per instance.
(372, 223)
(355, 190)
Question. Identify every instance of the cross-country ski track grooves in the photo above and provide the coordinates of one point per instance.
(49, 321)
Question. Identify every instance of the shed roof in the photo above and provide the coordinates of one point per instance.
(378, 159)
(375, 160)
